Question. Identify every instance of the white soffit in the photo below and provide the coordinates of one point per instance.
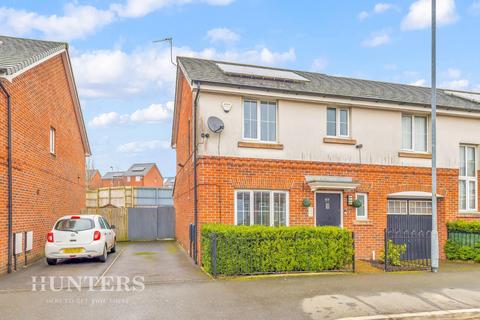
(265, 73)
(472, 96)
(412, 195)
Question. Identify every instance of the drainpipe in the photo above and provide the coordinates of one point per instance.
(195, 188)
(9, 165)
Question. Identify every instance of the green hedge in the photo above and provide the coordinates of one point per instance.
(260, 249)
(463, 240)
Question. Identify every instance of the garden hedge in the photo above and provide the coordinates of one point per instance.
(463, 240)
(261, 249)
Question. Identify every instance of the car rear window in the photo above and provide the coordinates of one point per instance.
(74, 224)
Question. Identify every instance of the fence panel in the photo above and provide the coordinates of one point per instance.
(114, 216)
(130, 197)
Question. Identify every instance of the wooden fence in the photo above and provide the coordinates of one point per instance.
(130, 197)
(114, 216)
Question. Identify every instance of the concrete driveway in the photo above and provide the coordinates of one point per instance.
(156, 262)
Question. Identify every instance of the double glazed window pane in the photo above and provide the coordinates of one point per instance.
(462, 190)
(471, 162)
(250, 123)
(343, 122)
(331, 122)
(261, 208)
(414, 133)
(243, 208)
(397, 206)
(361, 210)
(279, 209)
(268, 116)
(407, 132)
(420, 134)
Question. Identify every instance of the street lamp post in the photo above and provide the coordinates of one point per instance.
(434, 249)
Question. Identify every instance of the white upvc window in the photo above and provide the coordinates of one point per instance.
(362, 212)
(467, 185)
(261, 207)
(409, 206)
(338, 122)
(52, 140)
(260, 120)
(129, 179)
(414, 133)
(138, 178)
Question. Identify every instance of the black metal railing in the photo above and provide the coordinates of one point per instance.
(243, 256)
(407, 250)
(468, 239)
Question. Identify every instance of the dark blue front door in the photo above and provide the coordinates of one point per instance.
(328, 209)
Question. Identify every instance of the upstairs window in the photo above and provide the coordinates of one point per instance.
(52, 140)
(414, 133)
(467, 184)
(338, 122)
(260, 120)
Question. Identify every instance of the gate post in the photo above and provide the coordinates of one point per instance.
(353, 255)
(385, 251)
(213, 248)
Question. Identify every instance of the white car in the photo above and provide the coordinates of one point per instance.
(85, 236)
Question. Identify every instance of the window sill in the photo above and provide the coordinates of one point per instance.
(339, 140)
(469, 214)
(417, 155)
(362, 222)
(260, 145)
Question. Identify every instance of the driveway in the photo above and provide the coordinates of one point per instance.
(156, 261)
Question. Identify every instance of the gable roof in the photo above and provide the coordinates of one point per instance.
(139, 169)
(113, 174)
(18, 55)
(318, 84)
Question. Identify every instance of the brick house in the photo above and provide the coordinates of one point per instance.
(44, 176)
(297, 148)
(138, 175)
(93, 179)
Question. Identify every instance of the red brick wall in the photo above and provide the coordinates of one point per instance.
(95, 181)
(153, 178)
(183, 192)
(219, 177)
(45, 186)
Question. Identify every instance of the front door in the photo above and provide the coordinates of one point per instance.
(328, 209)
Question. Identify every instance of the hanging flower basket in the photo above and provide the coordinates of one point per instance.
(356, 203)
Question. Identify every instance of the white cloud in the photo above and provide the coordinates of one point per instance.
(153, 113)
(460, 84)
(76, 22)
(140, 8)
(419, 83)
(378, 8)
(105, 119)
(224, 35)
(382, 7)
(142, 146)
(319, 64)
(115, 73)
(377, 39)
(454, 73)
(420, 16)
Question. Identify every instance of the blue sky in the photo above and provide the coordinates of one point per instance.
(126, 82)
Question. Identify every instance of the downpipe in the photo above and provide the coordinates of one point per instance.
(195, 187)
(9, 166)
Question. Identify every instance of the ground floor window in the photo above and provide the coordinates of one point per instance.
(405, 206)
(362, 212)
(261, 207)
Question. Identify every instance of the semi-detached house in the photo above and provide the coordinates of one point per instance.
(298, 147)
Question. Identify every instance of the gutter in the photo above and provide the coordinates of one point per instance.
(195, 187)
(9, 164)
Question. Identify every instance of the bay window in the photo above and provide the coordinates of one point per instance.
(262, 207)
(260, 120)
(467, 185)
(414, 133)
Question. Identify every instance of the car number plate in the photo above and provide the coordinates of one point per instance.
(73, 250)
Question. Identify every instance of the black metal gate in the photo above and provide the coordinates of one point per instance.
(407, 250)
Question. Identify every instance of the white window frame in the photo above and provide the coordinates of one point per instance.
(469, 179)
(129, 179)
(337, 122)
(272, 192)
(408, 206)
(365, 206)
(259, 120)
(138, 178)
(412, 137)
(52, 140)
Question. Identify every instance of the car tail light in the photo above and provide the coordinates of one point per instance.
(75, 217)
(50, 237)
(96, 235)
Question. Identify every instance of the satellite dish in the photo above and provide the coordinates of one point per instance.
(215, 124)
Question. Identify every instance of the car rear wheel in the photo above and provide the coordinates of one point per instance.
(103, 257)
(114, 248)
(51, 262)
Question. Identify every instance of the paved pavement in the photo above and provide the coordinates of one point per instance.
(176, 289)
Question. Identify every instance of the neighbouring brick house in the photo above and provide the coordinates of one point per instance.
(48, 141)
(291, 138)
(138, 175)
(93, 179)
